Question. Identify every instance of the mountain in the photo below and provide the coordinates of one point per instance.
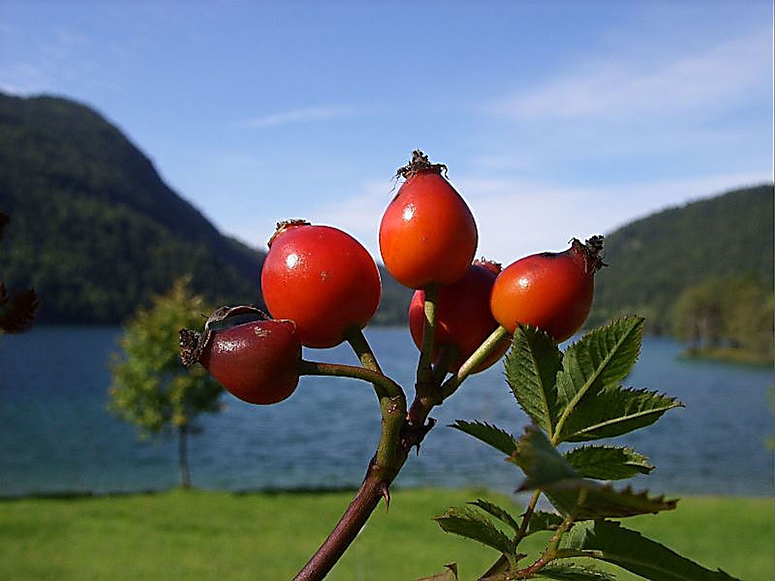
(652, 260)
(97, 232)
(93, 227)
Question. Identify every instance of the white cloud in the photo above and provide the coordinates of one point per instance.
(620, 86)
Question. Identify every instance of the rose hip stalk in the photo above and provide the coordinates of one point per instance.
(463, 318)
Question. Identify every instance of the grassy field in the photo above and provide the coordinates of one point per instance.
(219, 535)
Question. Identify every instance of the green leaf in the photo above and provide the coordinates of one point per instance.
(599, 361)
(498, 512)
(531, 372)
(489, 434)
(573, 572)
(548, 470)
(471, 524)
(587, 499)
(541, 462)
(616, 412)
(543, 521)
(611, 542)
(608, 462)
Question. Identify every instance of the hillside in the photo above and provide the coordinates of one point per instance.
(94, 228)
(654, 259)
(97, 232)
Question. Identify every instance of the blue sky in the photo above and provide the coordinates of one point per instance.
(556, 119)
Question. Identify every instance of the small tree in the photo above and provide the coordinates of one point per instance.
(151, 389)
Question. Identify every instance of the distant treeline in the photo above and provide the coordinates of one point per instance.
(675, 265)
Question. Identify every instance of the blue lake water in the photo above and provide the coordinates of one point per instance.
(57, 436)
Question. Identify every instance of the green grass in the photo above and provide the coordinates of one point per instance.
(218, 535)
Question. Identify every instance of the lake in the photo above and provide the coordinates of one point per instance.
(56, 435)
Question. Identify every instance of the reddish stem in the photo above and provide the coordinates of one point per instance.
(373, 489)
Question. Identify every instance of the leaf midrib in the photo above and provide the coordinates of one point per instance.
(582, 392)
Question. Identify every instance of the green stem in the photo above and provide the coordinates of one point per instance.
(502, 564)
(551, 552)
(522, 533)
(360, 345)
(424, 366)
(472, 363)
(383, 385)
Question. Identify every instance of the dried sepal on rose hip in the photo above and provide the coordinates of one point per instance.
(323, 279)
(427, 235)
(551, 291)
(463, 318)
(253, 357)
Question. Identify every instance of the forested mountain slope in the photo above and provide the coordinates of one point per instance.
(652, 260)
(93, 227)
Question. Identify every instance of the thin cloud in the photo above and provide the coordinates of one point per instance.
(303, 115)
(617, 86)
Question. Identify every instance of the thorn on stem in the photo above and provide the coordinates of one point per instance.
(384, 490)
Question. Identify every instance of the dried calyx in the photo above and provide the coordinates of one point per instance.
(193, 343)
(592, 251)
(419, 163)
(286, 225)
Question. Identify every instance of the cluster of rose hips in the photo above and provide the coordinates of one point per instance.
(322, 287)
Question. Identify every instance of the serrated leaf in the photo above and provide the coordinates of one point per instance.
(573, 572)
(630, 550)
(549, 471)
(599, 361)
(471, 524)
(607, 462)
(543, 521)
(540, 461)
(498, 512)
(587, 499)
(531, 372)
(449, 575)
(489, 434)
(615, 412)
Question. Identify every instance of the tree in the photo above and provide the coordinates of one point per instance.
(151, 389)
